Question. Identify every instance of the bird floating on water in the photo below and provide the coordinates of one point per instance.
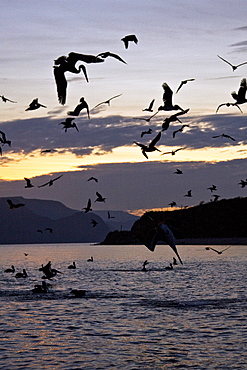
(239, 97)
(12, 269)
(40, 288)
(73, 266)
(22, 274)
(170, 267)
(78, 293)
(230, 64)
(129, 38)
(82, 105)
(50, 182)
(107, 101)
(151, 147)
(90, 259)
(184, 82)
(145, 263)
(35, 105)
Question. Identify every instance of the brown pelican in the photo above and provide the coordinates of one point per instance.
(189, 195)
(150, 107)
(50, 182)
(178, 172)
(68, 124)
(149, 131)
(48, 271)
(145, 263)
(92, 178)
(100, 198)
(179, 130)
(129, 38)
(173, 118)
(108, 54)
(239, 97)
(88, 207)
(172, 204)
(107, 101)
(243, 183)
(215, 250)
(12, 205)
(12, 269)
(72, 267)
(90, 259)
(233, 67)
(173, 152)
(4, 99)
(94, 222)
(167, 99)
(35, 105)
(184, 82)
(40, 288)
(151, 147)
(212, 188)
(170, 267)
(22, 274)
(28, 183)
(3, 139)
(223, 135)
(83, 105)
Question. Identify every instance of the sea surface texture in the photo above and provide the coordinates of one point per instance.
(191, 317)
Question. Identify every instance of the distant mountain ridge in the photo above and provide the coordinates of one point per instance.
(28, 224)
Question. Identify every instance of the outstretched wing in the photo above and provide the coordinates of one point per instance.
(61, 84)
(73, 58)
(57, 178)
(167, 95)
(224, 60)
(155, 140)
(109, 54)
(242, 89)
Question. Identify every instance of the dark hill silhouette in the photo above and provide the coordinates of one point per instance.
(217, 221)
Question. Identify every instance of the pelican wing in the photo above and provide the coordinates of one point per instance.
(109, 54)
(167, 95)
(155, 140)
(242, 90)
(61, 83)
(73, 58)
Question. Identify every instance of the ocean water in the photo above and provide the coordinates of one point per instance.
(192, 317)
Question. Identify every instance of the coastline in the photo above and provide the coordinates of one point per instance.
(212, 241)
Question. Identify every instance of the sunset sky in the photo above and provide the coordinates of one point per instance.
(177, 40)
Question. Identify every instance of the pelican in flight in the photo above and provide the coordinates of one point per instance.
(184, 82)
(88, 207)
(100, 198)
(146, 119)
(72, 266)
(172, 204)
(150, 107)
(178, 172)
(69, 124)
(92, 178)
(239, 97)
(223, 135)
(22, 274)
(50, 182)
(48, 151)
(35, 105)
(4, 99)
(3, 139)
(68, 64)
(212, 188)
(179, 130)
(82, 105)
(173, 118)
(149, 131)
(215, 250)
(173, 152)
(94, 222)
(13, 205)
(151, 147)
(28, 183)
(243, 183)
(109, 54)
(230, 64)
(107, 101)
(167, 99)
(129, 38)
(189, 195)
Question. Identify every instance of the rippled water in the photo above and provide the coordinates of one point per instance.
(193, 317)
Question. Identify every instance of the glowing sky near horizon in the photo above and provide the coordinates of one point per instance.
(176, 40)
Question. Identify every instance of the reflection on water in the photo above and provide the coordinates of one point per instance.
(191, 317)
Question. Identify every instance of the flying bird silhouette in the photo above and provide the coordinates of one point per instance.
(149, 131)
(28, 183)
(3, 139)
(179, 130)
(83, 105)
(92, 178)
(109, 54)
(109, 215)
(94, 222)
(88, 207)
(50, 182)
(223, 135)
(150, 107)
(178, 172)
(13, 205)
(189, 195)
(129, 38)
(100, 198)
(239, 97)
(167, 99)
(48, 151)
(215, 250)
(212, 188)
(172, 118)
(151, 147)
(69, 124)
(243, 183)
(233, 66)
(35, 105)
(184, 82)
(173, 152)
(146, 119)
(4, 99)
(107, 101)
